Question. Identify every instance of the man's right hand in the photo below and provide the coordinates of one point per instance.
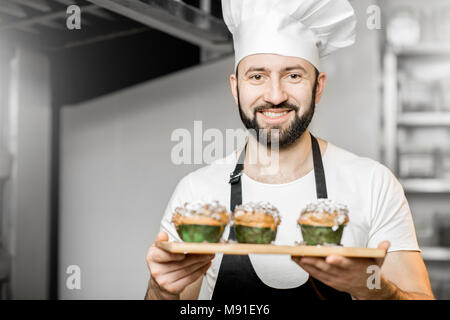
(171, 273)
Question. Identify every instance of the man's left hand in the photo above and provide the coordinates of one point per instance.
(344, 274)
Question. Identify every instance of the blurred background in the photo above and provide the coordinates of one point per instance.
(88, 108)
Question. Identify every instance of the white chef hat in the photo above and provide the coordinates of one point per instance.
(309, 29)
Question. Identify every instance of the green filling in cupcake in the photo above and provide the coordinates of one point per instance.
(317, 235)
(245, 234)
(199, 233)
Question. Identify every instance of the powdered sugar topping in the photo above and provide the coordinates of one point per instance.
(324, 207)
(211, 209)
(253, 207)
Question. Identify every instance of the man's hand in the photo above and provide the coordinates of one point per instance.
(172, 273)
(347, 274)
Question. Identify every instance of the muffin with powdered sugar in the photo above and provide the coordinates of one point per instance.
(201, 221)
(256, 222)
(323, 221)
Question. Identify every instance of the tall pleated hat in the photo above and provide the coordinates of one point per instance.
(309, 29)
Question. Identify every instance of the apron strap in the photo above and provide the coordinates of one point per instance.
(234, 266)
(319, 173)
(236, 187)
(321, 191)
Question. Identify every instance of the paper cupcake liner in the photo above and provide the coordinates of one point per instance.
(318, 235)
(255, 235)
(200, 233)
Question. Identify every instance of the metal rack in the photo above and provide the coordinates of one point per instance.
(42, 23)
(394, 119)
(397, 122)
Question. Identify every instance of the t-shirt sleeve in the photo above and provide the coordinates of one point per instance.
(181, 194)
(391, 217)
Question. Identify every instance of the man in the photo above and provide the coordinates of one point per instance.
(277, 82)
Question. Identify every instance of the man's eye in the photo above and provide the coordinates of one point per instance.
(256, 77)
(295, 76)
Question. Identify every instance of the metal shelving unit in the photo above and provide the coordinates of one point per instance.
(435, 253)
(422, 49)
(424, 119)
(426, 185)
(416, 121)
(394, 120)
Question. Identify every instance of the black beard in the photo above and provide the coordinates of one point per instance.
(286, 136)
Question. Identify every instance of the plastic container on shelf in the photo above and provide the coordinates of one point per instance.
(443, 24)
(425, 228)
(429, 27)
(415, 95)
(424, 83)
(442, 228)
(416, 165)
(437, 100)
(403, 27)
(446, 166)
(445, 85)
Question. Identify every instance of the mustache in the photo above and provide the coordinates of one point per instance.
(284, 105)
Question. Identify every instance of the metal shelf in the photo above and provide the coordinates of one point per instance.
(394, 120)
(435, 253)
(426, 185)
(422, 49)
(424, 119)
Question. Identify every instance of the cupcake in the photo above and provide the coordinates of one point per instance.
(200, 221)
(256, 222)
(323, 222)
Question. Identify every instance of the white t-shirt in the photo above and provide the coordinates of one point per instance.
(378, 210)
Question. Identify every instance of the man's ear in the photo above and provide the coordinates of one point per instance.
(321, 81)
(233, 85)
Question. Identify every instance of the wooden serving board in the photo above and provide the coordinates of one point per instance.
(245, 248)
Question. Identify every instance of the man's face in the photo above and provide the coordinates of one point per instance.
(276, 92)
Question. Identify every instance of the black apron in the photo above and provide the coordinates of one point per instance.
(238, 280)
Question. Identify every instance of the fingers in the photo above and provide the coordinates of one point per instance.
(317, 273)
(162, 236)
(172, 272)
(187, 280)
(168, 267)
(177, 286)
(385, 245)
(319, 264)
(169, 275)
(157, 254)
(160, 255)
(339, 261)
(186, 271)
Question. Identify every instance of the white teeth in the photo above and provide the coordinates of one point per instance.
(274, 114)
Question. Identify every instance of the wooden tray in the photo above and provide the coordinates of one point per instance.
(245, 248)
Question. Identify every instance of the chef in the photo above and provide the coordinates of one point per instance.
(277, 82)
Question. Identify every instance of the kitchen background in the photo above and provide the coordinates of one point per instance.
(86, 117)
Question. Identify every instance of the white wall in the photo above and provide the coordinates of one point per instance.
(349, 113)
(117, 174)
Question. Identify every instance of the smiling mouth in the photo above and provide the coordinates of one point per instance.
(275, 115)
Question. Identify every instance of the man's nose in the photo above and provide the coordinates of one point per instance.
(275, 93)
